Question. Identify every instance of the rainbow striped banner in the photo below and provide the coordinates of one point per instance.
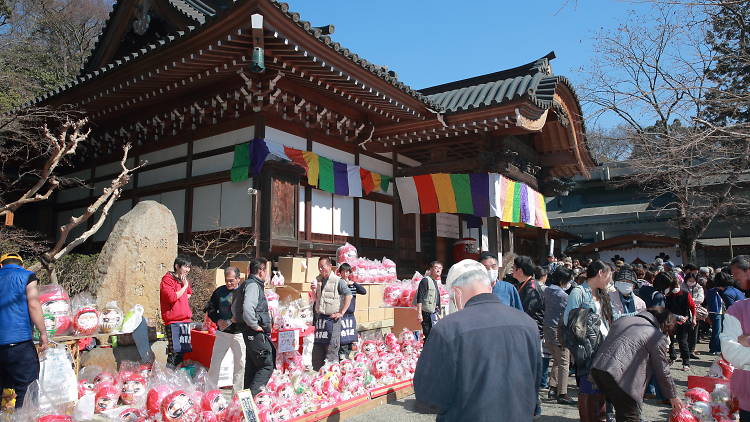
(480, 194)
(322, 172)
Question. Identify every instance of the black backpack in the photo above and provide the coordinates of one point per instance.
(582, 336)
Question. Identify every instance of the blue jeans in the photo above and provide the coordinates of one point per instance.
(545, 372)
(653, 388)
(714, 346)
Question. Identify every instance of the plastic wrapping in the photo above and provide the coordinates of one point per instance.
(85, 315)
(683, 415)
(277, 279)
(697, 394)
(58, 384)
(110, 319)
(132, 319)
(106, 398)
(56, 309)
(178, 406)
(347, 253)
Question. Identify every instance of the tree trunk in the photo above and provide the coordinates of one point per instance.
(687, 249)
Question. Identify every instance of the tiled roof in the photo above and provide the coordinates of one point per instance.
(533, 80)
(203, 13)
(381, 71)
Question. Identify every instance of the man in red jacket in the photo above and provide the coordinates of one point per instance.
(174, 293)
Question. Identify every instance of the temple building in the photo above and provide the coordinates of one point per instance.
(337, 147)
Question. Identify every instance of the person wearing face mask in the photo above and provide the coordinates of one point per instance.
(680, 303)
(228, 336)
(555, 300)
(465, 366)
(624, 301)
(692, 286)
(504, 291)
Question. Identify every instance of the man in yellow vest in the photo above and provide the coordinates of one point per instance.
(428, 298)
(332, 299)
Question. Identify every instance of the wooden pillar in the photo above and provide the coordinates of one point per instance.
(187, 228)
(356, 204)
(259, 132)
(308, 206)
(396, 208)
(494, 237)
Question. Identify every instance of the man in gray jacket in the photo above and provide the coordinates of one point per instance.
(635, 348)
(250, 313)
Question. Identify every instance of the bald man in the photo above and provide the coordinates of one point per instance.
(483, 351)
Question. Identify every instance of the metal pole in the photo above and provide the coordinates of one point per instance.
(731, 249)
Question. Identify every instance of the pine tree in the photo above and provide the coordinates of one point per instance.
(729, 38)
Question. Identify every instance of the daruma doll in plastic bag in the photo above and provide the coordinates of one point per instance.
(682, 415)
(111, 318)
(106, 398)
(178, 407)
(133, 389)
(697, 394)
(56, 303)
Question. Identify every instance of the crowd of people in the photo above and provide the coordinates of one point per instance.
(614, 326)
(509, 332)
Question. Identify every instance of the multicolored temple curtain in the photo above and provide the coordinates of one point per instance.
(479, 194)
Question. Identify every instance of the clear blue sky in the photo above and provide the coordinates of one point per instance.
(433, 42)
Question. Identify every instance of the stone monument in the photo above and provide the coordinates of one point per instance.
(140, 249)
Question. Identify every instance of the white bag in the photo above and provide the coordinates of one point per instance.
(84, 409)
(132, 319)
(57, 380)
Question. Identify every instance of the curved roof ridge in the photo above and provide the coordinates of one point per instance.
(539, 65)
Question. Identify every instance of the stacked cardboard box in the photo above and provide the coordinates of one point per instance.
(294, 271)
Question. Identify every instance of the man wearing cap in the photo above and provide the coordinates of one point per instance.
(19, 363)
(624, 302)
(473, 353)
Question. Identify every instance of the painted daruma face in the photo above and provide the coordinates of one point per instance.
(178, 407)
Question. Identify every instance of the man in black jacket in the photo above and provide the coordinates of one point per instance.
(228, 336)
(529, 289)
(481, 363)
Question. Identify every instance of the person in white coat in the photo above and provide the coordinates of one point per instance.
(735, 338)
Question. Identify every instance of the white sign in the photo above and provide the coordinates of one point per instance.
(249, 410)
(288, 341)
(447, 225)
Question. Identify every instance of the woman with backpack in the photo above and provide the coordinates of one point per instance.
(588, 310)
(634, 350)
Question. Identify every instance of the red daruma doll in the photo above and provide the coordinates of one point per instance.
(56, 303)
(106, 398)
(178, 407)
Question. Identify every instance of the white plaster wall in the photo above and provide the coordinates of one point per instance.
(225, 139)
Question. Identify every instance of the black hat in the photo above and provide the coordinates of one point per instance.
(625, 273)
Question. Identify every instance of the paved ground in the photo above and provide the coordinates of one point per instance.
(404, 410)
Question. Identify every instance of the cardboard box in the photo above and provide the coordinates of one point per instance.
(302, 287)
(389, 314)
(287, 293)
(374, 295)
(361, 316)
(405, 318)
(244, 266)
(312, 269)
(219, 277)
(293, 269)
(376, 314)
